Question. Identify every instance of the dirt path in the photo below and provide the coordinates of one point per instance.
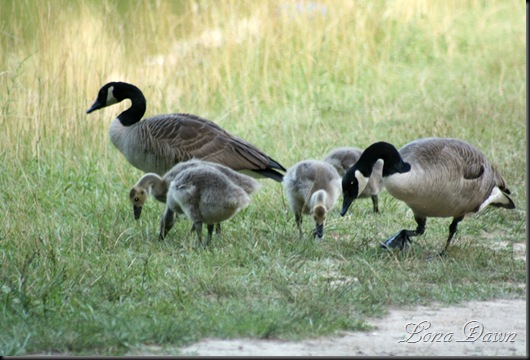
(492, 328)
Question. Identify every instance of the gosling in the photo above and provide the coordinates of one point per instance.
(312, 187)
(206, 196)
(153, 184)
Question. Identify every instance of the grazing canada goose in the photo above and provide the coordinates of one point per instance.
(312, 187)
(435, 177)
(157, 186)
(205, 195)
(343, 158)
(156, 144)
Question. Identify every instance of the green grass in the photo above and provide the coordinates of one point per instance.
(78, 275)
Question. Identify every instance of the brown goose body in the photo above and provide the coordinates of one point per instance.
(159, 142)
(435, 177)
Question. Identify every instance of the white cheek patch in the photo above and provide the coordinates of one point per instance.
(110, 96)
(361, 180)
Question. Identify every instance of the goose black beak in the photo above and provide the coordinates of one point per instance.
(346, 202)
(137, 212)
(95, 106)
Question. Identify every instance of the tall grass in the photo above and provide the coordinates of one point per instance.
(296, 78)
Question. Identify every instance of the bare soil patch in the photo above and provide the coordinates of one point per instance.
(478, 328)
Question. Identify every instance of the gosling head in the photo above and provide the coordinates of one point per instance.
(138, 195)
(319, 215)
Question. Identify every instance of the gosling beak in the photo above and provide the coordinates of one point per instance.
(319, 231)
(95, 106)
(137, 212)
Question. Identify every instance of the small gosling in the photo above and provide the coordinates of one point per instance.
(153, 184)
(149, 184)
(205, 195)
(312, 187)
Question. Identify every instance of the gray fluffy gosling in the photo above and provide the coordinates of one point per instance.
(157, 143)
(206, 196)
(435, 177)
(312, 187)
(344, 157)
(153, 184)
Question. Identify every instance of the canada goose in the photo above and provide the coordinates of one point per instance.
(312, 187)
(205, 195)
(435, 177)
(156, 144)
(157, 186)
(344, 157)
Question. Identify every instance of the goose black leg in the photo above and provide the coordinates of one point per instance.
(401, 239)
(452, 231)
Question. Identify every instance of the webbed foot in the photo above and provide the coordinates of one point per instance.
(397, 242)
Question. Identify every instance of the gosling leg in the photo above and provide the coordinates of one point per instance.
(375, 202)
(198, 229)
(298, 219)
(166, 222)
(210, 232)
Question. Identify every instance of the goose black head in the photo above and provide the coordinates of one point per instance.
(114, 92)
(105, 97)
(353, 183)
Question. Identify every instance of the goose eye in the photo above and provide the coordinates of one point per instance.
(351, 183)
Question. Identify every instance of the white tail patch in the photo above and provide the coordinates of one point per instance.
(496, 197)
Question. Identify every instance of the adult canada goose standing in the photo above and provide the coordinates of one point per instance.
(344, 157)
(435, 177)
(156, 144)
(312, 187)
(205, 195)
(153, 184)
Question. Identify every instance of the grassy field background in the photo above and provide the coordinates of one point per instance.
(79, 275)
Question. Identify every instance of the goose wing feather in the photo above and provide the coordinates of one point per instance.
(181, 137)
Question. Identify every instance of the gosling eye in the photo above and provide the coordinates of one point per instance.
(136, 199)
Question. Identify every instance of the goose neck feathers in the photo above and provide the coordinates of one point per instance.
(393, 163)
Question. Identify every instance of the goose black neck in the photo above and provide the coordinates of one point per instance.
(393, 163)
(135, 113)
